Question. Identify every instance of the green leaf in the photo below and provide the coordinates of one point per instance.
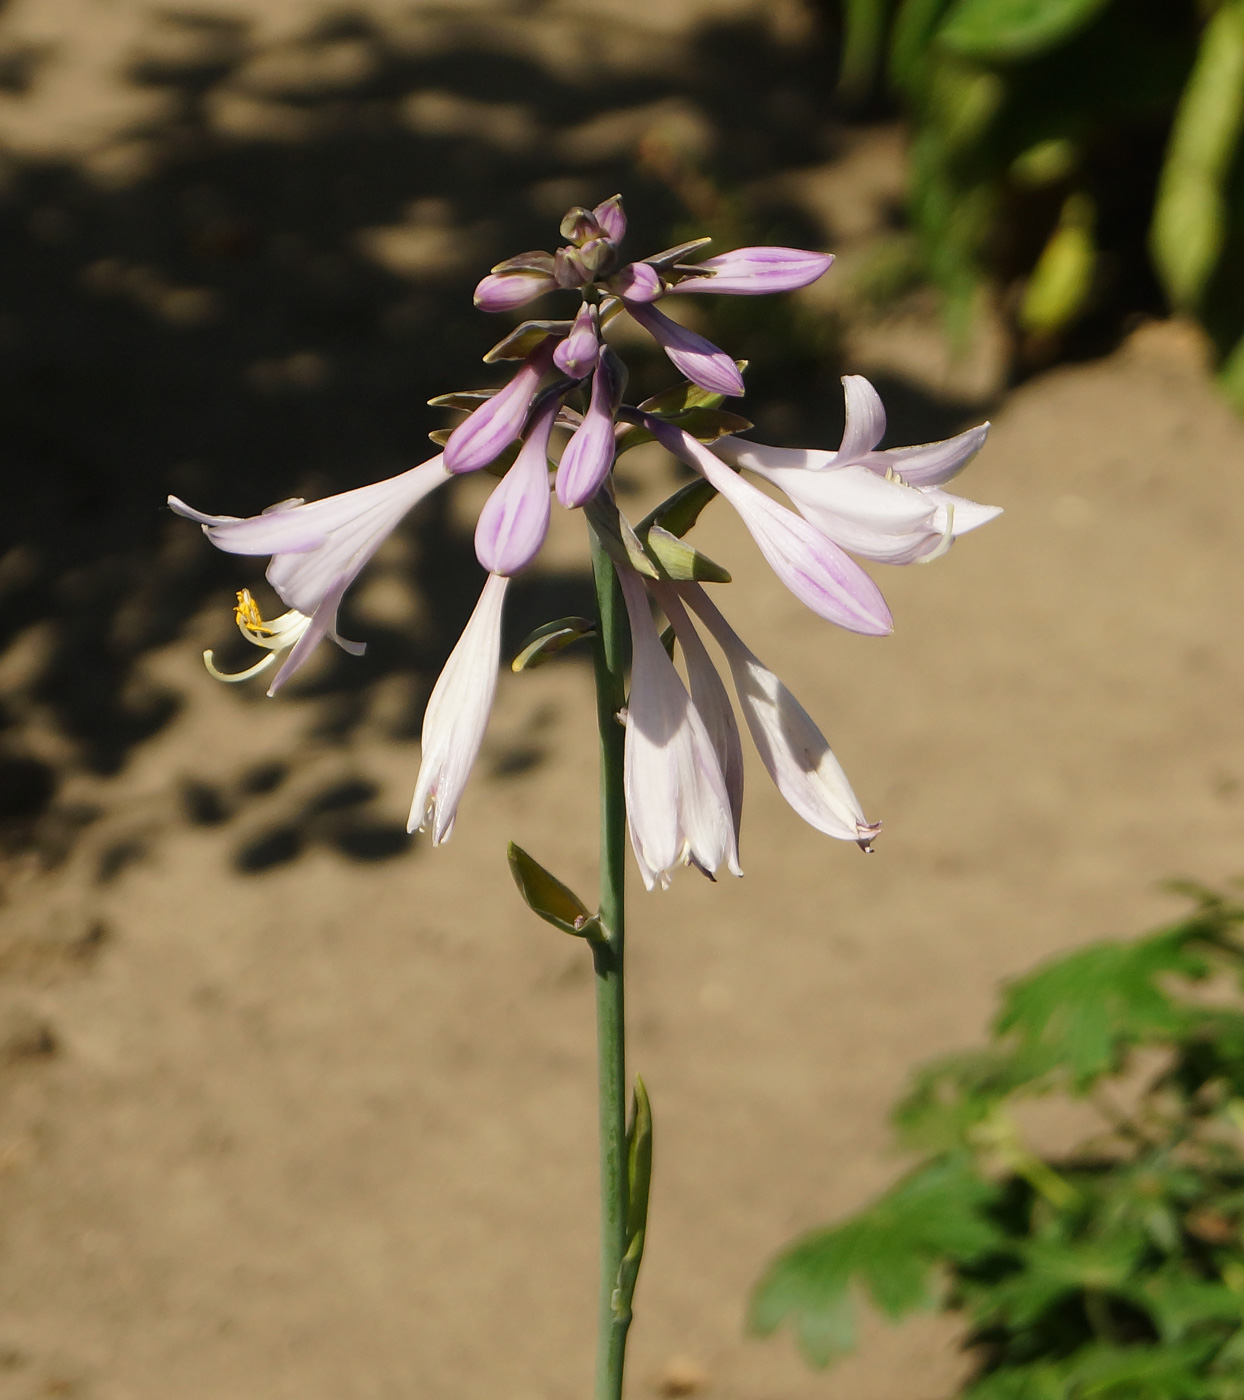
(680, 253)
(466, 399)
(638, 1160)
(1043, 1381)
(939, 1212)
(545, 895)
(1088, 1009)
(910, 40)
(548, 640)
(1190, 216)
(679, 512)
(1063, 277)
(683, 396)
(1002, 30)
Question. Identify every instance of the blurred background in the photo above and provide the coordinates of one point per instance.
(291, 1104)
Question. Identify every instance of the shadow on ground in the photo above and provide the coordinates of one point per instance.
(251, 297)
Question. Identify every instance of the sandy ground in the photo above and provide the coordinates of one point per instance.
(292, 1107)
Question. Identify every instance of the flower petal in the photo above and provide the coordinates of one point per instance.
(505, 291)
(678, 809)
(865, 425)
(490, 429)
(637, 281)
(932, 462)
(815, 569)
(457, 716)
(753, 272)
(792, 748)
(515, 518)
(576, 355)
(611, 218)
(699, 359)
(589, 454)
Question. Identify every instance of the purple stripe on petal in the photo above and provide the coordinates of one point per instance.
(504, 291)
(589, 454)
(576, 355)
(699, 359)
(815, 570)
(499, 420)
(751, 272)
(515, 519)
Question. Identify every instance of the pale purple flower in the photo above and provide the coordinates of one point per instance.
(588, 456)
(576, 354)
(791, 747)
(506, 291)
(318, 549)
(637, 281)
(699, 359)
(515, 518)
(709, 697)
(490, 429)
(457, 715)
(812, 566)
(678, 808)
(860, 498)
(752, 272)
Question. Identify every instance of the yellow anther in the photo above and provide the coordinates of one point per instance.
(248, 616)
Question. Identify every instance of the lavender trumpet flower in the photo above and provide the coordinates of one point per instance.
(791, 747)
(678, 807)
(318, 549)
(588, 456)
(457, 716)
(857, 496)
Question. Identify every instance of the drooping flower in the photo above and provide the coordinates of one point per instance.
(699, 359)
(275, 636)
(457, 716)
(588, 456)
(318, 549)
(813, 567)
(791, 747)
(678, 808)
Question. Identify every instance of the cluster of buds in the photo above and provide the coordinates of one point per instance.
(684, 771)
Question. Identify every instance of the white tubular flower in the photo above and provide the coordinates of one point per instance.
(884, 506)
(708, 695)
(677, 805)
(791, 747)
(457, 715)
(318, 549)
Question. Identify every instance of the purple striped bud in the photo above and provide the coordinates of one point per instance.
(753, 272)
(638, 281)
(589, 454)
(505, 291)
(611, 219)
(576, 355)
(515, 519)
(699, 359)
(495, 424)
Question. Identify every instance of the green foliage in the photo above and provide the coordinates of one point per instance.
(1073, 155)
(1112, 1272)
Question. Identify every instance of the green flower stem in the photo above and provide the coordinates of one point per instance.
(611, 647)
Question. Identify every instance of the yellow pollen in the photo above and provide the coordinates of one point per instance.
(248, 615)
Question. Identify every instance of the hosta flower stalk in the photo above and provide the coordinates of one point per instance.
(671, 749)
